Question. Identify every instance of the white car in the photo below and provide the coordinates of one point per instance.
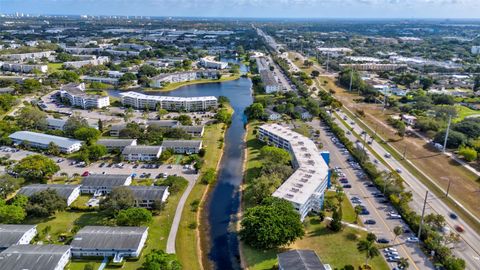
(390, 249)
(412, 239)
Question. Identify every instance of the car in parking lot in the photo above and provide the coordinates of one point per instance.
(365, 212)
(398, 170)
(412, 239)
(370, 222)
(101, 165)
(347, 186)
(393, 258)
(390, 249)
(85, 173)
(383, 241)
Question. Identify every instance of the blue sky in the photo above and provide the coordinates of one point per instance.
(253, 8)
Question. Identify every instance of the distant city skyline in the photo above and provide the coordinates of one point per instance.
(251, 8)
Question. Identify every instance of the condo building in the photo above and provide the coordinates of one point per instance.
(142, 101)
(75, 94)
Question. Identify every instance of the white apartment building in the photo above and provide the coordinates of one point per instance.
(162, 79)
(112, 81)
(77, 97)
(305, 188)
(475, 49)
(93, 62)
(27, 56)
(40, 140)
(16, 234)
(141, 152)
(209, 62)
(24, 68)
(142, 101)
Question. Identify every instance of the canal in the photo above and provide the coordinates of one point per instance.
(224, 200)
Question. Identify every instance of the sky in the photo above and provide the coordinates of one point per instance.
(252, 8)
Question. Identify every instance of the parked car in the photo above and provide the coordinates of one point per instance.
(459, 228)
(453, 216)
(412, 239)
(347, 186)
(85, 173)
(383, 241)
(387, 155)
(370, 222)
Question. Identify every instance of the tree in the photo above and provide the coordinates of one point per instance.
(45, 203)
(9, 184)
(32, 118)
(127, 78)
(274, 155)
(100, 125)
(166, 154)
(175, 183)
(120, 198)
(36, 168)
(158, 259)
(133, 217)
(455, 138)
(336, 223)
(128, 114)
(263, 227)
(255, 111)
(29, 86)
(53, 149)
(11, 214)
(88, 134)
(426, 82)
(398, 230)
(161, 112)
(89, 153)
(369, 248)
(74, 123)
(261, 188)
(224, 116)
(184, 119)
(148, 71)
(403, 263)
(371, 237)
(358, 209)
(468, 153)
(315, 73)
(476, 83)
(209, 176)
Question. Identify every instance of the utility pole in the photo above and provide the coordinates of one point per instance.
(351, 80)
(446, 134)
(405, 152)
(328, 61)
(423, 214)
(448, 187)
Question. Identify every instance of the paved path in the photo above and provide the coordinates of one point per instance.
(178, 215)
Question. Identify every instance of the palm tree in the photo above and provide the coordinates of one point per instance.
(369, 248)
(398, 230)
(403, 263)
(358, 209)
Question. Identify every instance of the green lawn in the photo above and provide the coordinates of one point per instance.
(253, 164)
(463, 112)
(347, 208)
(337, 249)
(52, 67)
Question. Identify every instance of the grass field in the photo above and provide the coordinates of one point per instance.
(337, 249)
(187, 238)
(347, 208)
(463, 112)
(52, 67)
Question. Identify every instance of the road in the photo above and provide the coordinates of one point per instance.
(378, 211)
(288, 86)
(469, 247)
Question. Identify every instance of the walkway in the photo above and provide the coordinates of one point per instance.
(178, 216)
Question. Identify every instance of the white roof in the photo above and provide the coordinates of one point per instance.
(312, 169)
(137, 95)
(44, 139)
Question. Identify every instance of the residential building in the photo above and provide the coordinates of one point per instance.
(24, 68)
(273, 116)
(209, 62)
(59, 124)
(115, 129)
(101, 184)
(16, 234)
(269, 81)
(300, 259)
(161, 80)
(195, 131)
(27, 56)
(22, 257)
(304, 113)
(334, 52)
(69, 192)
(164, 123)
(77, 97)
(305, 188)
(148, 196)
(142, 101)
(116, 242)
(40, 140)
(141, 152)
(375, 67)
(112, 81)
(117, 144)
(475, 49)
(93, 62)
(183, 146)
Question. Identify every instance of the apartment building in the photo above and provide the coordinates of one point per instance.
(102, 184)
(305, 188)
(93, 62)
(24, 68)
(42, 141)
(27, 56)
(21, 257)
(16, 234)
(142, 101)
(141, 152)
(183, 146)
(209, 62)
(75, 94)
(149, 196)
(166, 78)
(69, 192)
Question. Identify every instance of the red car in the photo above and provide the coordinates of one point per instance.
(86, 173)
(459, 228)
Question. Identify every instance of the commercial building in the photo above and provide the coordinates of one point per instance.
(24, 68)
(209, 62)
(183, 146)
(69, 192)
(300, 259)
(101, 184)
(305, 188)
(149, 196)
(75, 94)
(161, 80)
(40, 140)
(93, 62)
(141, 152)
(116, 242)
(117, 144)
(16, 234)
(142, 101)
(22, 257)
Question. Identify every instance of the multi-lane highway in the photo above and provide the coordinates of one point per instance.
(379, 211)
(469, 247)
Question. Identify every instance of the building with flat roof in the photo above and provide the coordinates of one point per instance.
(27, 56)
(148, 196)
(116, 242)
(300, 259)
(76, 95)
(183, 146)
(112, 81)
(117, 144)
(40, 140)
(16, 234)
(31, 257)
(101, 184)
(210, 62)
(269, 81)
(142, 152)
(142, 101)
(69, 192)
(305, 188)
(24, 68)
(92, 62)
(161, 80)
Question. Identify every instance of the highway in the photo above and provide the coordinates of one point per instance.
(469, 247)
(378, 211)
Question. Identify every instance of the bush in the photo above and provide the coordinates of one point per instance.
(134, 217)
(175, 183)
(209, 176)
(469, 154)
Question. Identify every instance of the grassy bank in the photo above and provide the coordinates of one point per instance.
(175, 86)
